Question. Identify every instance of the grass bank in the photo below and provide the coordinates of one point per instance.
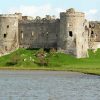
(23, 59)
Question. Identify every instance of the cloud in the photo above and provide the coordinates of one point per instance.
(93, 14)
(43, 10)
(93, 11)
(47, 9)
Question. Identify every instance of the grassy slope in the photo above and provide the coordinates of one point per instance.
(58, 61)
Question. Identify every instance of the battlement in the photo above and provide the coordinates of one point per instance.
(48, 18)
(73, 13)
(71, 10)
(8, 15)
(38, 18)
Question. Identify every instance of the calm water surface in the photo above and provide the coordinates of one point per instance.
(43, 85)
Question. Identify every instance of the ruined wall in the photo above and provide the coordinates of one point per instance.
(19, 16)
(73, 37)
(8, 33)
(38, 33)
(71, 33)
(95, 30)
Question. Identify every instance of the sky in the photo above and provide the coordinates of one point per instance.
(51, 7)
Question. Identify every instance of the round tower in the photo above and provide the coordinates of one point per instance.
(8, 33)
(73, 37)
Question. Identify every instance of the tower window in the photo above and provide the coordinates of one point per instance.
(22, 34)
(32, 33)
(5, 35)
(70, 33)
(89, 26)
(47, 33)
(69, 24)
(21, 31)
(92, 33)
(7, 26)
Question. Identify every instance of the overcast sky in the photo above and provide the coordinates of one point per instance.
(51, 7)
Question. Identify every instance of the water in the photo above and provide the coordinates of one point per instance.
(43, 85)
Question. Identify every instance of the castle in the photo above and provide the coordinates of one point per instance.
(71, 33)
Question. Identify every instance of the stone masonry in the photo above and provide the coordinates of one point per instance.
(8, 33)
(71, 33)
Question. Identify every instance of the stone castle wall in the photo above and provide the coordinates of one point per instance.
(8, 33)
(95, 30)
(72, 33)
(38, 33)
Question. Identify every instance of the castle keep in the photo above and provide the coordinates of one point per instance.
(71, 33)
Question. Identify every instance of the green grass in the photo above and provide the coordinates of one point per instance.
(57, 61)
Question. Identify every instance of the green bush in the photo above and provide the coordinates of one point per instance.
(15, 59)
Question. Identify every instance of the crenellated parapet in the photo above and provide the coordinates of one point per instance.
(72, 13)
(8, 15)
(47, 19)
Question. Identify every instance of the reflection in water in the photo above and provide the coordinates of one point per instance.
(43, 85)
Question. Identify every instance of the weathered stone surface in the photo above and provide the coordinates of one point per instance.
(8, 33)
(95, 29)
(73, 37)
(71, 34)
(41, 33)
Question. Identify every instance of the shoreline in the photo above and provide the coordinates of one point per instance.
(57, 62)
(88, 72)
